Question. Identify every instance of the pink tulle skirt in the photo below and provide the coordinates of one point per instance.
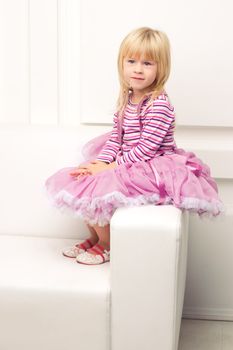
(180, 179)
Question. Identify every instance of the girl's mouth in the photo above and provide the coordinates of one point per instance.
(137, 78)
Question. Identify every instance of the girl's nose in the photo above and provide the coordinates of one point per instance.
(138, 68)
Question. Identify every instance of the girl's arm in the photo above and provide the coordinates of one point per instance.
(156, 124)
(105, 160)
(112, 146)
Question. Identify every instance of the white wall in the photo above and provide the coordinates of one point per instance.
(58, 68)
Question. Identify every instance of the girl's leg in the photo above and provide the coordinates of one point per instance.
(103, 233)
(73, 251)
(104, 241)
(94, 237)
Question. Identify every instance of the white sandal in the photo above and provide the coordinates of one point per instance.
(73, 252)
(87, 258)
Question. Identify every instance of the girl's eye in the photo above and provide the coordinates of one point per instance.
(131, 61)
(147, 63)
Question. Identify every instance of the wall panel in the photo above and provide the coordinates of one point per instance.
(214, 145)
(14, 61)
(69, 62)
(201, 82)
(209, 284)
(43, 62)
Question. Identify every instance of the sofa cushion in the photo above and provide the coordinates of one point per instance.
(42, 292)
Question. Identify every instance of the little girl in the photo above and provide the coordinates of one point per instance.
(139, 163)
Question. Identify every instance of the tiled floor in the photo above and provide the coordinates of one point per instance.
(206, 335)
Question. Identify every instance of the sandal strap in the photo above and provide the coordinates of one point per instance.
(100, 247)
(98, 252)
(83, 245)
(88, 240)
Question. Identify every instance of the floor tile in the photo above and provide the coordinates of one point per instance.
(201, 335)
(227, 335)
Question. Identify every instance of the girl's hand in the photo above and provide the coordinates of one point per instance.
(80, 171)
(91, 168)
(97, 166)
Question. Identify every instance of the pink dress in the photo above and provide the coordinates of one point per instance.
(150, 169)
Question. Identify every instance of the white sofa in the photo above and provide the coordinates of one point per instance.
(48, 302)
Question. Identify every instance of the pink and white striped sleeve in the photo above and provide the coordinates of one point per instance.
(112, 146)
(156, 123)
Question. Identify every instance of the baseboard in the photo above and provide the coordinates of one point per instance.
(208, 314)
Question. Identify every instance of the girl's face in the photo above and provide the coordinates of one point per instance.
(140, 74)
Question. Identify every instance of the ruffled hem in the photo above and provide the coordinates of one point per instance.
(99, 210)
(202, 207)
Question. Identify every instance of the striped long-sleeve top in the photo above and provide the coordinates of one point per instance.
(145, 135)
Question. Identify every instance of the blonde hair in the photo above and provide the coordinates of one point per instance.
(150, 44)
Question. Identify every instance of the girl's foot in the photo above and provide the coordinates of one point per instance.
(80, 248)
(96, 255)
